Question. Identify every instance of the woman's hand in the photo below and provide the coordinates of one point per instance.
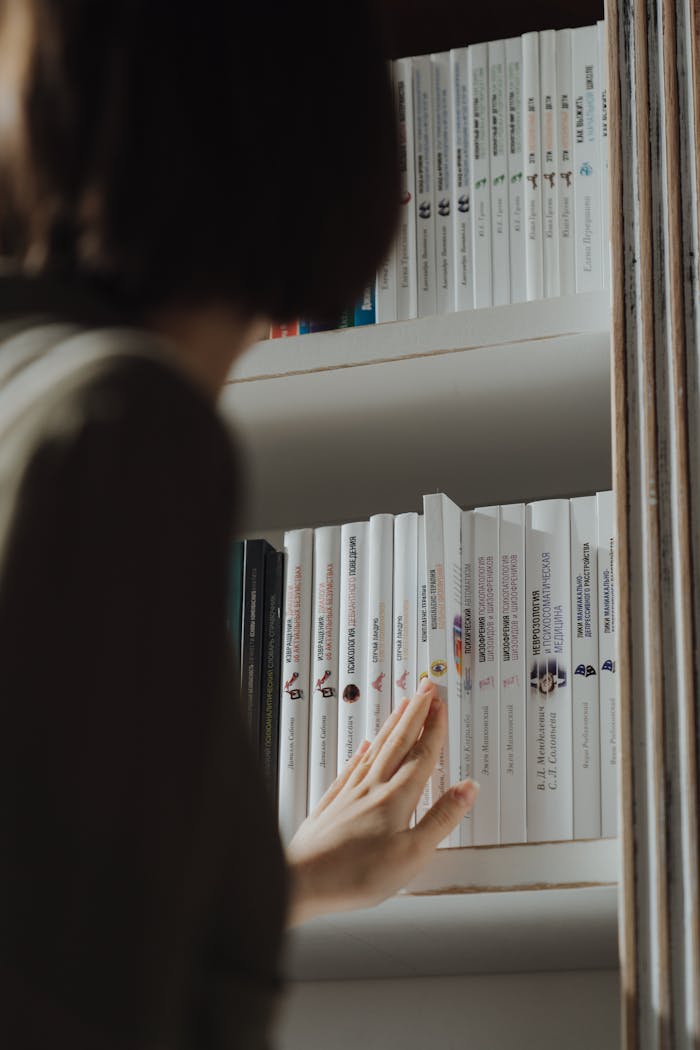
(356, 848)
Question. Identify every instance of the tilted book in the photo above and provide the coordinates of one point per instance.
(480, 173)
(380, 584)
(325, 626)
(606, 661)
(406, 258)
(425, 184)
(565, 131)
(271, 667)
(485, 705)
(352, 650)
(513, 677)
(587, 169)
(516, 189)
(405, 606)
(534, 273)
(466, 826)
(442, 167)
(500, 217)
(549, 152)
(461, 166)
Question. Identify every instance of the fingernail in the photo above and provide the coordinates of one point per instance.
(467, 791)
(425, 686)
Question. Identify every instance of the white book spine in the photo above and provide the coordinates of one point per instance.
(352, 652)
(463, 269)
(422, 662)
(549, 739)
(516, 190)
(549, 151)
(425, 184)
(385, 288)
(480, 168)
(406, 259)
(533, 173)
(604, 150)
(379, 617)
(567, 275)
(486, 713)
(584, 663)
(323, 734)
(606, 658)
(443, 566)
(513, 672)
(405, 606)
(296, 668)
(443, 119)
(500, 217)
(466, 827)
(587, 181)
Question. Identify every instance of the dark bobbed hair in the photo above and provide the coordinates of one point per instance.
(197, 150)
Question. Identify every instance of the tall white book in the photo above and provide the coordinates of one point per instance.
(444, 247)
(443, 570)
(426, 799)
(512, 669)
(486, 692)
(385, 281)
(406, 259)
(325, 627)
(405, 606)
(423, 113)
(567, 275)
(516, 189)
(584, 663)
(533, 173)
(587, 171)
(480, 172)
(379, 616)
(604, 150)
(352, 650)
(500, 216)
(463, 269)
(609, 720)
(549, 151)
(466, 827)
(549, 722)
(295, 678)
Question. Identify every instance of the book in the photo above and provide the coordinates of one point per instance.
(584, 663)
(295, 681)
(604, 152)
(425, 188)
(442, 168)
(406, 257)
(284, 329)
(609, 720)
(380, 584)
(271, 668)
(463, 268)
(587, 180)
(479, 173)
(467, 527)
(549, 716)
(498, 173)
(404, 633)
(567, 276)
(325, 627)
(426, 799)
(512, 669)
(485, 704)
(516, 191)
(385, 282)
(352, 651)
(549, 152)
(534, 273)
(235, 602)
(254, 554)
(443, 570)
(365, 308)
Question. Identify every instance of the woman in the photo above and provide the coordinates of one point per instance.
(174, 177)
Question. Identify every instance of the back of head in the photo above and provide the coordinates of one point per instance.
(167, 150)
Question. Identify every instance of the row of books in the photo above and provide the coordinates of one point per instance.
(508, 609)
(504, 159)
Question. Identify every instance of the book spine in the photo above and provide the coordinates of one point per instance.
(352, 653)
(461, 166)
(533, 176)
(512, 671)
(272, 662)
(407, 261)
(606, 658)
(567, 274)
(549, 147)
(587, 181)
(385, 281)
(500, 224)
(284, 329)
(405, 606)
(549, 740)
(365, 307)
(426, 799)
(235, 602)
(480, 169)
(379, 618)
(516, 190)
(486, 716)
(323, 735)
(584, 663)
(466, 827)
(443, 175)
(604, 151)
(295, 681)
(425, 187)
(252, 633)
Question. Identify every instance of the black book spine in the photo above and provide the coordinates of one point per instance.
(251, 642)
(271, 669)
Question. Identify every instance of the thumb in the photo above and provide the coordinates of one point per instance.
(445, 815)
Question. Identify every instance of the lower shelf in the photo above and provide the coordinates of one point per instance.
(501, 909)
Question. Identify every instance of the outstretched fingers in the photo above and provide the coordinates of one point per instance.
(341, 780)
(443, 817)
(403, 735)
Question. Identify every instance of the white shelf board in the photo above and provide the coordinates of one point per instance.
(507, 909)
